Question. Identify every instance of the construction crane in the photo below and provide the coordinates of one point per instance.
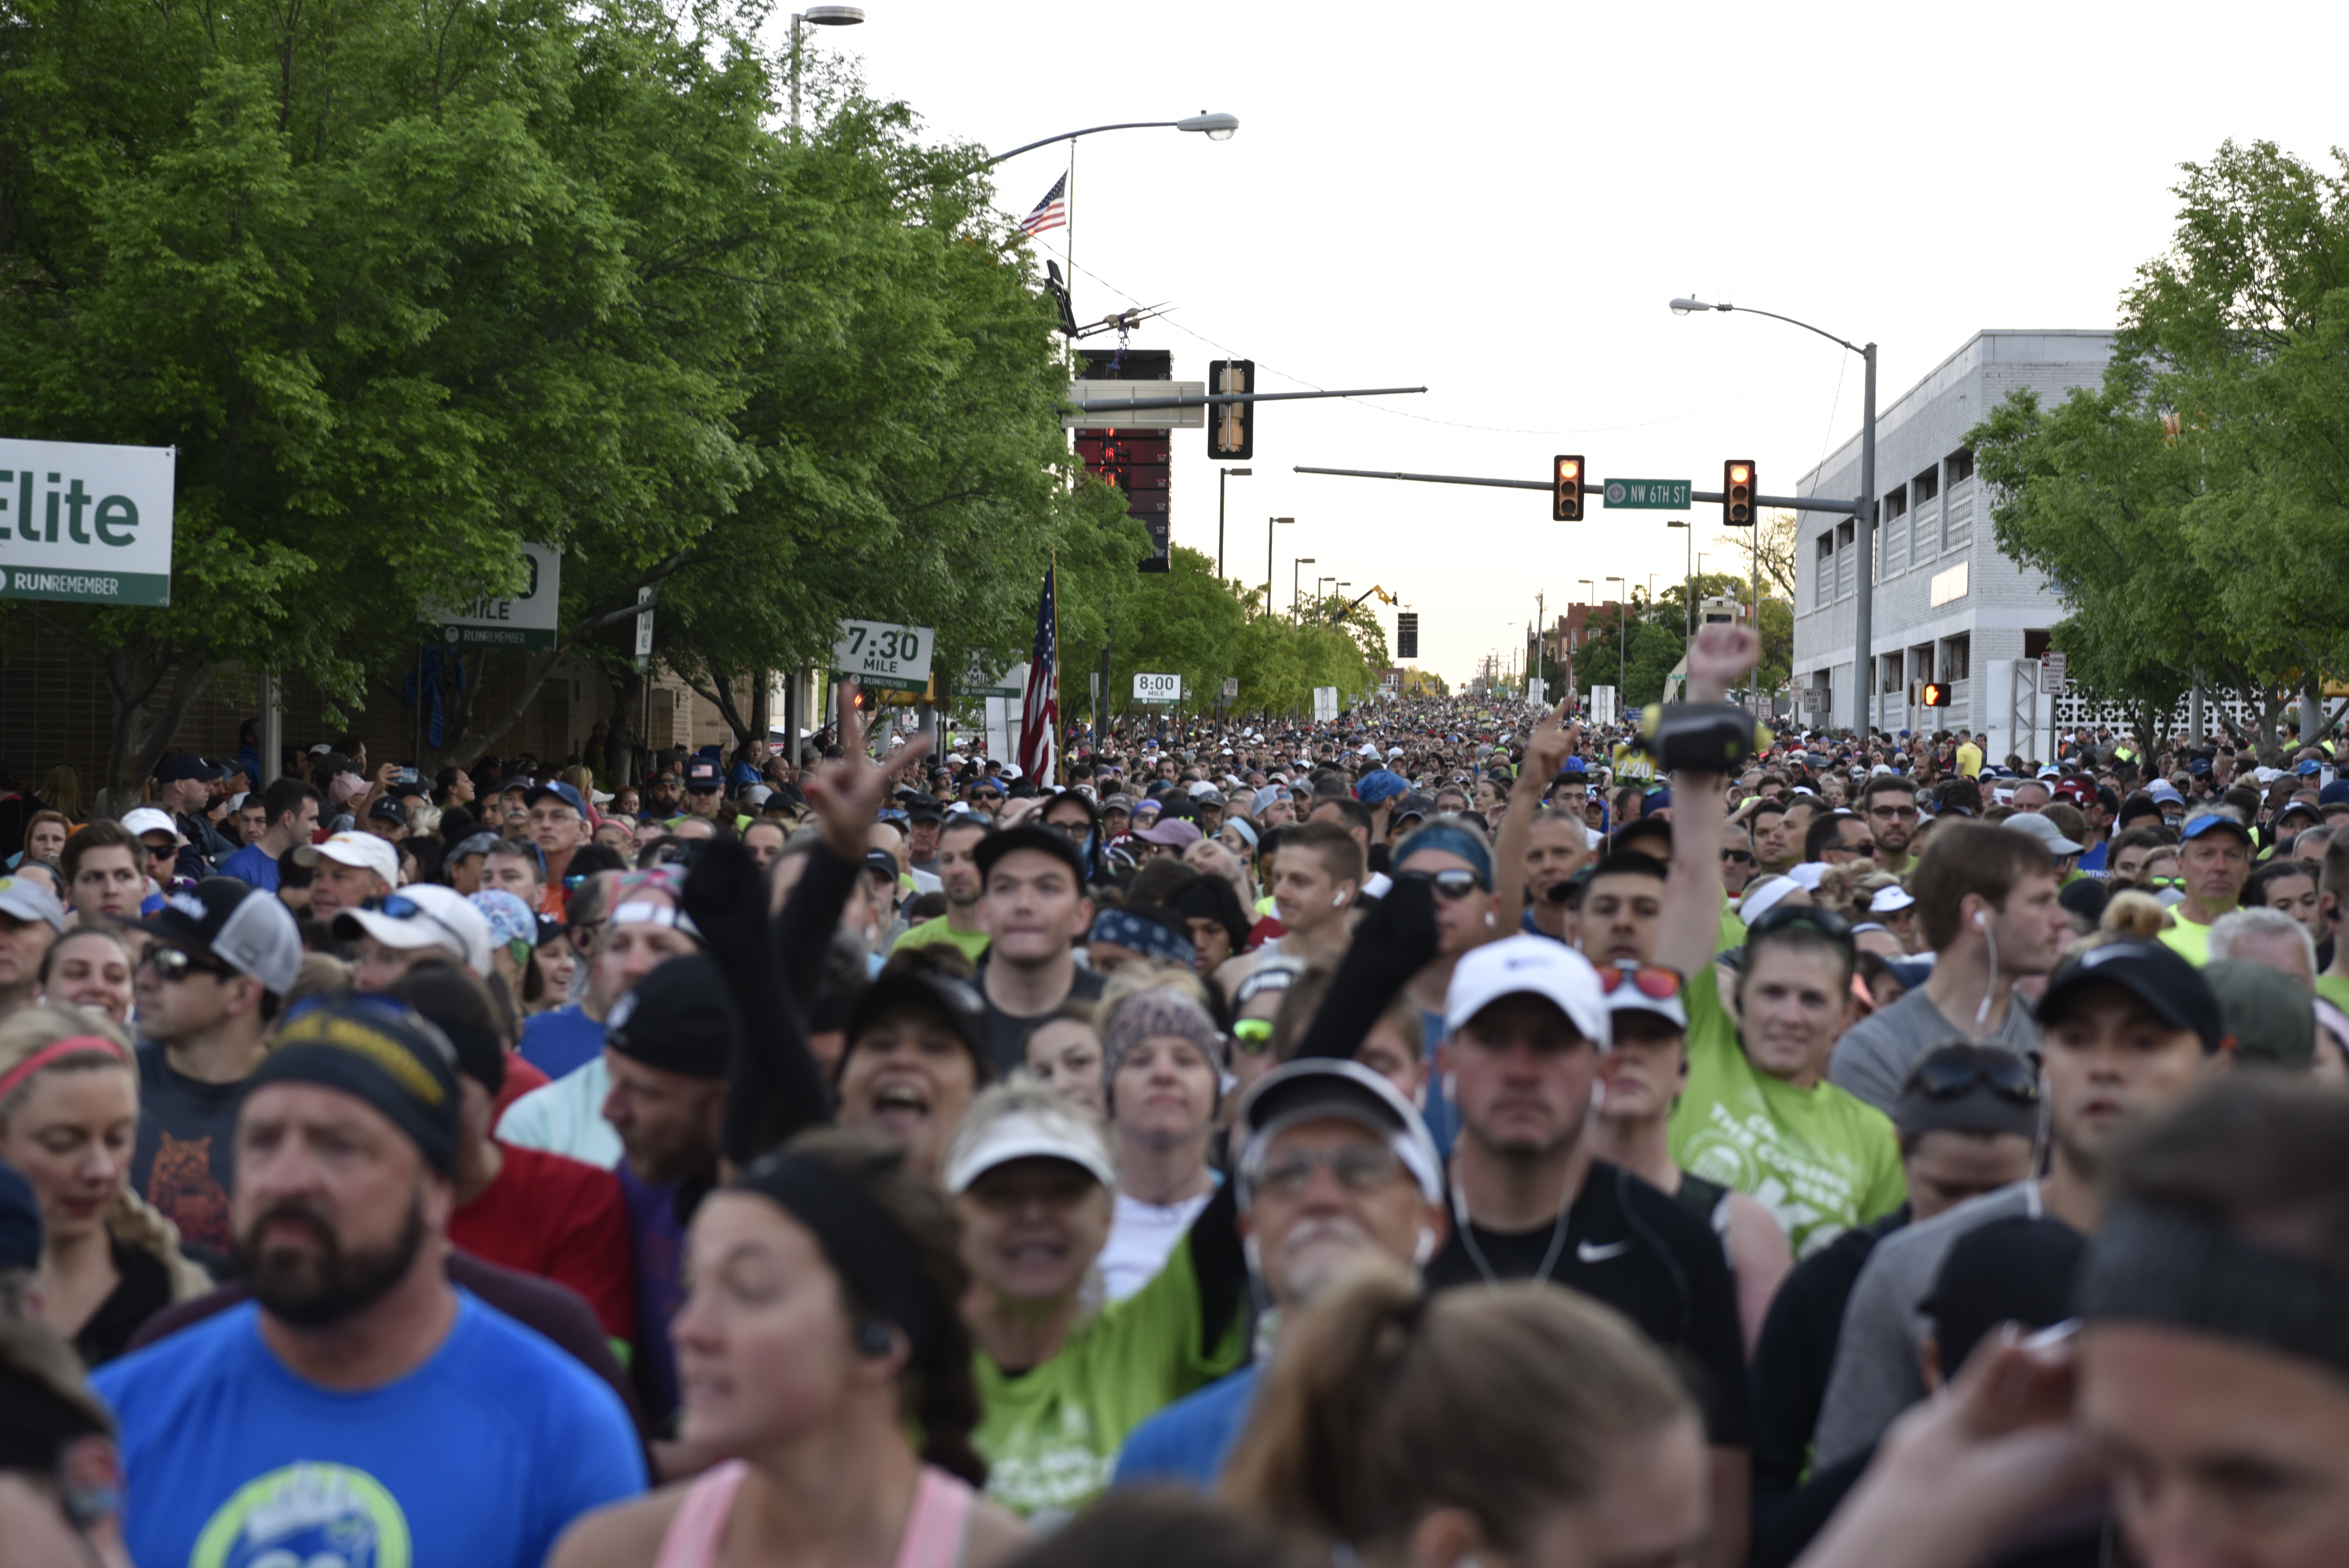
(1386, 597)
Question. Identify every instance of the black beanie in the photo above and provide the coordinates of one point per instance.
(380, 1051)
(680, 1018)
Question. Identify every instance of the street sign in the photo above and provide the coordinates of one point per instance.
(644, 628)
(1325, 704)
(526, 621)
(977, 681)
(884, 657)
(87, 523)
(1157, 689)
(1649, 495)
(2051, 676)
(1231, 687)
(1407, 635)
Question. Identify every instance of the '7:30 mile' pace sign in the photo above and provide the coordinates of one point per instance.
(885, 655)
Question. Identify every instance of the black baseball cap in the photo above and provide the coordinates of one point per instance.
(923, 809)
(900, 986)
(184, 765)
(2172, 988)
(1029, 836)
(703, 777)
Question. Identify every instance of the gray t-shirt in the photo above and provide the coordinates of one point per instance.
(1875, 1054)
(1878, 1373)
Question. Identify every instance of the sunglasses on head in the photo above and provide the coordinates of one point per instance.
(1824, 922)
(1453, 882)
(176, 964)
(1253, 1035)
(2014, 1079)
(1652, 981)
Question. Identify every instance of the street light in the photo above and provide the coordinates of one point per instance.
(1268, 527)
(1294, 563)
(1688, 592)
(1221, 475)
(1863, 615)
(816, 16)
(1214, 127)
(1622, 646)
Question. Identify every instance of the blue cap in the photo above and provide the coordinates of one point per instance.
(561, 791)
(2214, 822)
(1379, 785)
(1572, 765)
(2308, 765)
(1655, 800)
(2199, 767)
(2334, 794)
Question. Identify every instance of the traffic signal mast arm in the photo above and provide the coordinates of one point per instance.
(1205, 400)
(1713, 498)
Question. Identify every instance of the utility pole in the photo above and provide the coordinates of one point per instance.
(1863, 614)
(1622, 647)
(1270, 523)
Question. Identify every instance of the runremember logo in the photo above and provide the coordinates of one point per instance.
(71, 584)
(307, 1516)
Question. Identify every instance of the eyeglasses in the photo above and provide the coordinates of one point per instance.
(2014, 1079)
(174, 964)
(1652, 981)
(1453, 882)
(161, 851)
(1739, 857)
(1358, 1167)
(1252, 1034)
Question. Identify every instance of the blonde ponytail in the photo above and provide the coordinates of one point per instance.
(133, 1221)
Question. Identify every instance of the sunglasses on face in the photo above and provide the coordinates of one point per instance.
(2015, 1080)
(161, 851)
(1652, 981)
(1738, 857)
(1358, 1167)
(1452, 883)
(173, 965)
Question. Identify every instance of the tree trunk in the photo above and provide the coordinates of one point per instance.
(138, 738)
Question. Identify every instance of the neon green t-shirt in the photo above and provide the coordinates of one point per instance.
(2334, 988)
(935, 930)
(1050, 1436)
(2188, 940)
(1821, 1160)
(1733, 929)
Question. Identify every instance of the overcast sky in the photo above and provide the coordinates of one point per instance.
(1496, 200)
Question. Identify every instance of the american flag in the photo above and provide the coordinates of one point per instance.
(1051, 212)
(1039, 709)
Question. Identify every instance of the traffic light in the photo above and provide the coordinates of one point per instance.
(1407, 635)
(1231, 427)
(1737, 492)
(1566, 490)
(1933, 693)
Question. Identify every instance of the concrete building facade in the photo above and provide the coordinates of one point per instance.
(1948, 606)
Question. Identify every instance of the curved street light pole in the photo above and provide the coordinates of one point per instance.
(1216, 128)
(1863, 630)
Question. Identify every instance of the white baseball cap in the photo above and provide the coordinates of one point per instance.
(425, 915)
(1041, 1133)
(354, 848)
(1529, 965)
(143, 819)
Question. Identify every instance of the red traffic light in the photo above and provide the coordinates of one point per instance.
(1933, 693)
(1737, 492)
(1565, 489)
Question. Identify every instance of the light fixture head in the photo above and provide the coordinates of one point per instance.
(833, 15)
(1683, 306)
(1219, 127)
(1242, 472)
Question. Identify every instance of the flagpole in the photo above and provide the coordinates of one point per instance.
(1052, 576)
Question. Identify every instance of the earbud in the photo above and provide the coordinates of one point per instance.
(1982, 919)
(875, 1339)
(1337, 901)
(1424, 1248)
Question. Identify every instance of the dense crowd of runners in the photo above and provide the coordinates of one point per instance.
(1449, 1137)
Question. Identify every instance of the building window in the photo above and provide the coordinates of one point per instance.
(2034, 644)
(1926, 485)
(1897, 504)
(1823, 571)
(1960, 466)
(1957, 656)
(1846, 562)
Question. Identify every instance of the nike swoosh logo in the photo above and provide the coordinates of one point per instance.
(1595, 1255)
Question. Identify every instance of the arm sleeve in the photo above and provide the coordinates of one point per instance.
(773, 1089)
(1394, 941)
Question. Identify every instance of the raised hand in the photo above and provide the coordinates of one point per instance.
(847, 795)
(1723, 655)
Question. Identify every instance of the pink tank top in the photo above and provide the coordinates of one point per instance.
(933, 1536)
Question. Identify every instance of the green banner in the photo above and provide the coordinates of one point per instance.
(143, 589)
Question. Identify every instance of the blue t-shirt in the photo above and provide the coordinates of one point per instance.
(560, 1043)
(481, 1456)
(250, 865)
(1189, 1440)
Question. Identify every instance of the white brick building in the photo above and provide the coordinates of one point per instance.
(1948, 606)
